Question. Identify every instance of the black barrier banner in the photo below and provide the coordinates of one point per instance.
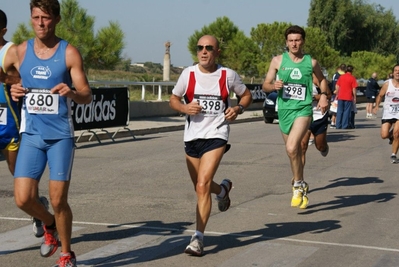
(109, 108)
(258, 95)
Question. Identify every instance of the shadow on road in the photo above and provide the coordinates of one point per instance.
(349, 181)
(270, 232)
(348, 201)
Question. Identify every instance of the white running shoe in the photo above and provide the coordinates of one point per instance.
(196, 247)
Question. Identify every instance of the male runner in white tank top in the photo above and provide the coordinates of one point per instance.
(390, 115)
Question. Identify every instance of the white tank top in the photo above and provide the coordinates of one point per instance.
(391, 102)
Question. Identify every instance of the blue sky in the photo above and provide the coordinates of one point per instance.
(148, 24)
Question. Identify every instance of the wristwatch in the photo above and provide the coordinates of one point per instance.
(240, 109)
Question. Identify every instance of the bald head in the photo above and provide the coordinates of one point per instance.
(210, 39)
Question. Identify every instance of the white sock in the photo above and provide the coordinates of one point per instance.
(297, 183)
(222, 192)
(199, 235)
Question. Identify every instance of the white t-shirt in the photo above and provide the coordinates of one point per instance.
(207, 89)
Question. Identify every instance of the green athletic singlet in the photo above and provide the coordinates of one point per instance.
(295, 98)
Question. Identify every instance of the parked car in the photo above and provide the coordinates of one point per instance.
(269, 105)
(269, 108)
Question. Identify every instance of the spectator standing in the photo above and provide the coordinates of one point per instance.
(340, 70)
(372, 89)
(346, 94)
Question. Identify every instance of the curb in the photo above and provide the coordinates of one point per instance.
(123, 133)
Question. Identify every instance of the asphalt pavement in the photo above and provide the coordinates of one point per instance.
(134, 204)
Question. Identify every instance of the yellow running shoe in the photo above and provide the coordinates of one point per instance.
(305, 202)
(296, 200)
(300, 198)
(305, 199)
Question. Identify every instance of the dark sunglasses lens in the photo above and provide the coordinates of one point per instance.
(208, 48)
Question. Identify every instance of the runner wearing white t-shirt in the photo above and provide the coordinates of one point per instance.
(205, 88)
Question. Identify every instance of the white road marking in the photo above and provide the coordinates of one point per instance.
(220, 234)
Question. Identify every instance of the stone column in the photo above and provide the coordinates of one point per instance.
(166, 63)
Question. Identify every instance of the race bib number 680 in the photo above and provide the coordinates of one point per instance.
(41, 101)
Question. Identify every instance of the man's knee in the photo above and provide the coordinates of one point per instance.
(292, 150)
(23, 201)
(203, 188)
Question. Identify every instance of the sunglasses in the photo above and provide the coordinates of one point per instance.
(208, 48)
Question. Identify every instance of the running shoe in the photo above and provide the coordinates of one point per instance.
(390, 140)
(224, 203)
(66, 260)
(325, 152)
(311, 142)
(300, 198)
(196, 247)
(394, 159)
(305, 199)
(50, 242)
(37, 225)
(332, 126)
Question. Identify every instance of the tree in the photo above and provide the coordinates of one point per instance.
(317, 46)
(269, 38)
(352, 26)
(366, 63)
(101, 51)
(241, 55)
(235, 46)
(331, 17)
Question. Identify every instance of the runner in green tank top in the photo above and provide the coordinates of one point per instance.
(291, 75)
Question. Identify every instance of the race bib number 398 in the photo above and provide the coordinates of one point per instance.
(211, 105)
(41, 101)
(294, 91)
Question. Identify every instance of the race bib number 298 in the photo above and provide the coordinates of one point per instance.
(41, 101)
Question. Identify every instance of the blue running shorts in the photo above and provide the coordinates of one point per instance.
(34, 153)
